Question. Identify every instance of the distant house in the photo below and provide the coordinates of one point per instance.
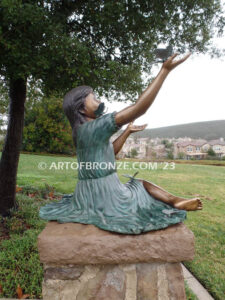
(192, 149)
(218, 146)
(157, 151)
(154, 148)
(198, 149)
(139, 144)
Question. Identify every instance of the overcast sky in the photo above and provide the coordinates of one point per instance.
(193, 92)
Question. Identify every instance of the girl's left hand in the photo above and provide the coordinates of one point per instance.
(170, 63)
(133, 128)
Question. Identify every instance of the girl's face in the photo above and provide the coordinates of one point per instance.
(90, 105)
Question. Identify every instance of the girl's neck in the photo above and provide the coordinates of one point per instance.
(90, 119)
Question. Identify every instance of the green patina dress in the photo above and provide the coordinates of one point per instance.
(99, 197)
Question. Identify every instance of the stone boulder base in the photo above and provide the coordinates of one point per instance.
(83, 262)
(73, 243)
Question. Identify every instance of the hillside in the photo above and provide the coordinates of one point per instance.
(208, 130)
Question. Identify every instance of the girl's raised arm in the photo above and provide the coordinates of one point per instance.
(148, 96)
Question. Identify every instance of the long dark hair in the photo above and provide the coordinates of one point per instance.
(73, 102)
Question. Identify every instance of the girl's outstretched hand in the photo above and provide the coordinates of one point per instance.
(134, 128)
(170, 63)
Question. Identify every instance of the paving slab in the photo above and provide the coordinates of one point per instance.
(196, 287)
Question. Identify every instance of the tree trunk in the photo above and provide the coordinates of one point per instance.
(11, 150)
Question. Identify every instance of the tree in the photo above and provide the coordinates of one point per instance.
(170, 154)
(181, 155)
(133, 152)
(169, 147)
(165, 142)
(46, 128)
(211, 152)
(154, 154)
(105, 44)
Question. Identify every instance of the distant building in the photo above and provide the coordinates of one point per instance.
(198, 148)
(154, 148)
(218, 147)
(139, 144)
(157, 151)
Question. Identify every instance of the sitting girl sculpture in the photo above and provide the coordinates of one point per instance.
(99, 197)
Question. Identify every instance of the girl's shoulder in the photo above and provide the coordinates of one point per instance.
(100, 129)
(106, 121)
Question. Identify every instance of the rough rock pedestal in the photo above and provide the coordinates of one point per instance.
(83, 262)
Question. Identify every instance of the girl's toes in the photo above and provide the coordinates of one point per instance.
(199, 207)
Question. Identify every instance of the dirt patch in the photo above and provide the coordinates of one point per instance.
(4, 231)
(13, 225)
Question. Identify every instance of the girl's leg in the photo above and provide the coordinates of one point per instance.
(177, 202)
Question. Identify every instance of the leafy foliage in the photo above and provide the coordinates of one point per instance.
(46, 127)
(211, 152)
(170, 154)
(181, 155)
(133, 152)
(105, 44)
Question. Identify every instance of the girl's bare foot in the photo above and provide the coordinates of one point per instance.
(189, 204)
(177, 202)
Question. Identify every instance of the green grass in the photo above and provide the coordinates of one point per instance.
(216, 162)
(29, 172)
(19, 259)
(189, 294)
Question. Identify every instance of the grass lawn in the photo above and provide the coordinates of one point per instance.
(203, 162)
(214, 162)
(19, 261)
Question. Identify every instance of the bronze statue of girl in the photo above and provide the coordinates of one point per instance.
(99, 197)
